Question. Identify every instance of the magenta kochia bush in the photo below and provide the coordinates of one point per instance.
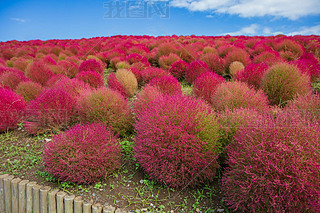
(91, 65)
(274, 166)
(178, 69)
(167, 85)
(51, 110)
(12, 107)
(252, 74)
(205, 85)
(196, 68)
(83, 154)
(106, 106)
(92, 78)
(177, 141)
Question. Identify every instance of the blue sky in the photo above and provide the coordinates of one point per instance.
(68, 19)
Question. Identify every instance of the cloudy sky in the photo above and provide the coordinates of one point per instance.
(68, 19)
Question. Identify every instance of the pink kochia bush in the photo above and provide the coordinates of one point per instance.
(153, 72)
(206, 84)
(167, 85)
(39, 72)
(108, 107)
(252, 74)
(91, 65)
(196, 68)
(12, 107)
(178, 69)
(177, 141)
(274, 166)
(92, 78)
(83, 154)
(51, 110)
(236, 94)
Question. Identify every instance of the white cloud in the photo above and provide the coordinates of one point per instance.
(249, 30)
(315, 30)
(209, 16)
(291, 9)
(18, 20)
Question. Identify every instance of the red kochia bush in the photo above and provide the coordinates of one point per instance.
(106, 106)
(83, 154)
(178, 69)
(12, 107)
(51, 110)
(167, 85)
(196, 68)
(177, 141)
(236, 94)
(206, 84)
(91, 65)
(39, 72)
(274, 166)
(237, 55)
(92, 78)
(252, 74)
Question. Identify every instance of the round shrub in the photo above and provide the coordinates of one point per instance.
(20, 64)
(92, 78)
(53, 109)
(72, 86)
(12, 107)
(83, 154)
(71, 69)
(128, 80)
(237, 55)
(177, 141)
(252, 74)
(215, 63)
(235, 67)
(289, 45)
(39, 72)
(178, 69)
(134, 58)
(11, 79)
(29, 90)
(196, 68)
(91, 65)
(274, 166)
(205, 85)
(269, 57)
(167, 85)
(166, 62)
(122, 65)
(282, 82)
(233, 95)
(153, 72)
(106, 106)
